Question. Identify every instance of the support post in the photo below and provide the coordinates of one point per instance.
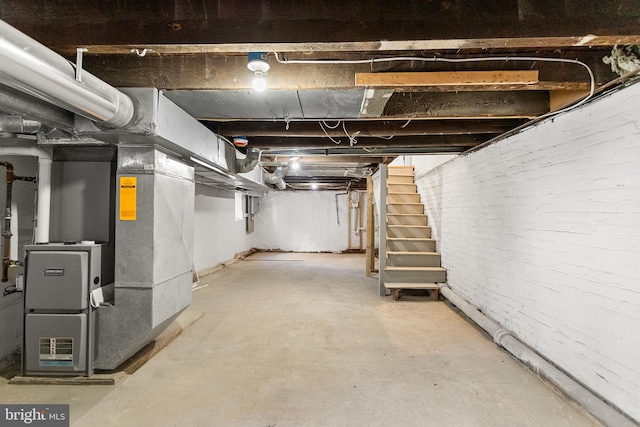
(382, 257)
(371, 232)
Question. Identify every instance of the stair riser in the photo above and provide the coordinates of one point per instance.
(406, 219)
(403, 198)
(417, 260)
(409, 246)
(400, 179)
(405, 209)
(402, 170)
(415, 276)
(424, 233)
(402, 188)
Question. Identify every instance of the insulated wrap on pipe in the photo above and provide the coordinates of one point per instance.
(31, 67)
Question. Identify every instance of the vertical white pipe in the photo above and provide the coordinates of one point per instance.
(44, 184)
(44, 200)
(13, 249)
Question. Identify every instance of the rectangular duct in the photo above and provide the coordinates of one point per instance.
(153, 254)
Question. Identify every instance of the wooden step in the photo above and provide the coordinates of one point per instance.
(405, 208)
(396, 287)
(409, 231)
(403, 198)
(401, 188)
(413, 259)
(396, 244)
(400, 170)
(400, 179)
(406, 219)
(394, 274)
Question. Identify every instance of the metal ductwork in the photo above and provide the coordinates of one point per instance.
(276, 178)
(16, 124)
(249, 163)
(33, 68)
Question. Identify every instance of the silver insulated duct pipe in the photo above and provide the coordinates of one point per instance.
(33, 68)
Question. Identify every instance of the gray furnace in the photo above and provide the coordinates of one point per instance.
(62, 289)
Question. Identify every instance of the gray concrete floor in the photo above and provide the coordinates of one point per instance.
(304, 340)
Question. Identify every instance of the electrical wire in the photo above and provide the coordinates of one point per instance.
(459, 60)
(329, 136)
(352, 138)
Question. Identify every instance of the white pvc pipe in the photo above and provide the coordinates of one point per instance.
(44, 185)
(13, 249)
(33, 68)
(545, 370)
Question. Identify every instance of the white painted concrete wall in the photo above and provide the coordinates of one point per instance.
(23, 193)
(304, 221)
(541, 231)
(217, 236)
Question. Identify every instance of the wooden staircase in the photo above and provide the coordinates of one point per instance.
(411, 258)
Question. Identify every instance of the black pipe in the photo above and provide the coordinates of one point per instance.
(6, 234)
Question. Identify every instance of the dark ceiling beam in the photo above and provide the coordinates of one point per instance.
(367, 142)
(365, 128)
(468, 104)
(146, 22)
(208, 71)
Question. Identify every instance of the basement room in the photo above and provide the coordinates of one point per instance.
(273, 213)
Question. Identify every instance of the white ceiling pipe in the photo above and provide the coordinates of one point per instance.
(44, 185)
(33, 68)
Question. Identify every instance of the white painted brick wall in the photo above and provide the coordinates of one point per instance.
(541, 231)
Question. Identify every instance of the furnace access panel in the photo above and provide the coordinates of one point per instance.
(59, 320)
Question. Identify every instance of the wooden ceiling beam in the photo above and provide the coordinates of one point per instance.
(468, 104)
(451, 25)
(365, 128)
(400, 142)
(447, 78)
(207, 71)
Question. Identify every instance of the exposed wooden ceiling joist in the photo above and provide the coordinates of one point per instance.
(366, 128)
(447, 78)
(453, 23)
(370, 142)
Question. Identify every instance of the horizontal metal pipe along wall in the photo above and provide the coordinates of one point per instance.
(31, 67)
(545, 370)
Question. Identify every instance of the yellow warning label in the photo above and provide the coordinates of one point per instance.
(128, 185)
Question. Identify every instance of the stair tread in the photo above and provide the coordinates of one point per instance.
(409, 214)
(408, 226)
(408, 285)
(411, 253)
(401, 268)
(404, 203)
(412, 239)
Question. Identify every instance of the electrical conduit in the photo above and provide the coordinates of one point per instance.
(505, 339)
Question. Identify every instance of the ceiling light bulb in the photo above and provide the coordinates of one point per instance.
(314, 186)
(295, 165)
(259, 84)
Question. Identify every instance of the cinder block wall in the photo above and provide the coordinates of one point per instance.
(541, 231)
